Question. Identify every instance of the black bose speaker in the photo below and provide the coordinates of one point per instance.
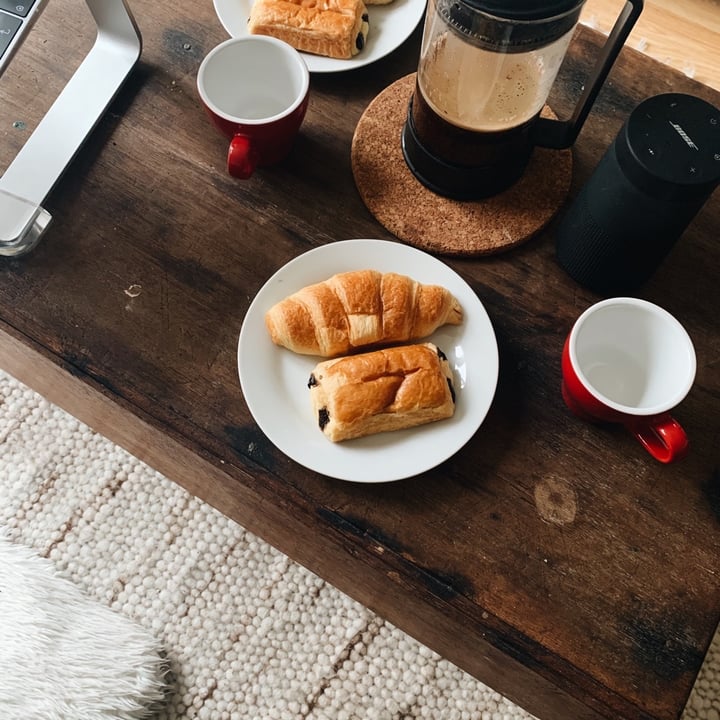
(651, 182)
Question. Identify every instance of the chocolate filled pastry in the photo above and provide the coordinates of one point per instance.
(357, 310)
(388, 389)
(333, 28)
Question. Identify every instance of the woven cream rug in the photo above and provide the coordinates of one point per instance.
(249, 634)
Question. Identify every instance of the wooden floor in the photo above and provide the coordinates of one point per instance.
(684, 34)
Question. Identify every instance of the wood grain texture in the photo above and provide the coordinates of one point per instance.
(551, 559)
(684, 35)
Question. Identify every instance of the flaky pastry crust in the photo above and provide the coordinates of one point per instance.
(358, 310)
(384, 390)
(333, 28)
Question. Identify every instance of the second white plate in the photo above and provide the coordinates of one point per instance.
(390, 26)
(274, 380)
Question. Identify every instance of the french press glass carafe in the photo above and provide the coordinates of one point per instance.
(485, 72)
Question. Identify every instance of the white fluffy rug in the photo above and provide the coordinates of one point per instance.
(63, 655)
(249, 635)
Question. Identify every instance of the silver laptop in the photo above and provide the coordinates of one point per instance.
(57, 138)
(16, 19)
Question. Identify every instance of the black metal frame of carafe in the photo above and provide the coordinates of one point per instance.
(476, 182)
(460, 182)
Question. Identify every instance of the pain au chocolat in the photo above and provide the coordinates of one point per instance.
(357, 310)
(389, 389)
(333, 28)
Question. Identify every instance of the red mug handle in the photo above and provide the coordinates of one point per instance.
(662, 436)
(242, 157)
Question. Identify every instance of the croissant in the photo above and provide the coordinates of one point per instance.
(382, 390)
(359, 309)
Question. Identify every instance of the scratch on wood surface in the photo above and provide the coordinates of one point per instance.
(132, 292)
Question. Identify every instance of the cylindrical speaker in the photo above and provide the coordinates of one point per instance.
(649, 185)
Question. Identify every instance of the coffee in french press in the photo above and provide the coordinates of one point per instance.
(485, 72)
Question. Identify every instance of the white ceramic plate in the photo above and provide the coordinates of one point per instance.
(274, 380)
(390, 27)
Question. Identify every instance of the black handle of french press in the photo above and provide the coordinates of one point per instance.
(558, 134)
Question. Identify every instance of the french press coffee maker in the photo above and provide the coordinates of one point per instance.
(485, 72)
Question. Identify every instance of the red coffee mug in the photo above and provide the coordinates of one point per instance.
(630, 362)
(255, 90)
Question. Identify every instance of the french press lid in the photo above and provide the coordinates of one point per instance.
(527, 10)
(510, 26)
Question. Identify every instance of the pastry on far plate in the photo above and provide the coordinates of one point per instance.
(332, 28)
(390, 389)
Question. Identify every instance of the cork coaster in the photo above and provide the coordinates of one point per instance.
(419, 217)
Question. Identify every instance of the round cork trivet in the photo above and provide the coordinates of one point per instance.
(437, 224)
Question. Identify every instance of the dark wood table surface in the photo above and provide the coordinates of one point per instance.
(553, 560)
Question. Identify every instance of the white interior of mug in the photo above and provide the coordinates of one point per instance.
(633, 356)
(254, 79)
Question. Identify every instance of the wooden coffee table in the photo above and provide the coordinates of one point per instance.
(553, 560)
